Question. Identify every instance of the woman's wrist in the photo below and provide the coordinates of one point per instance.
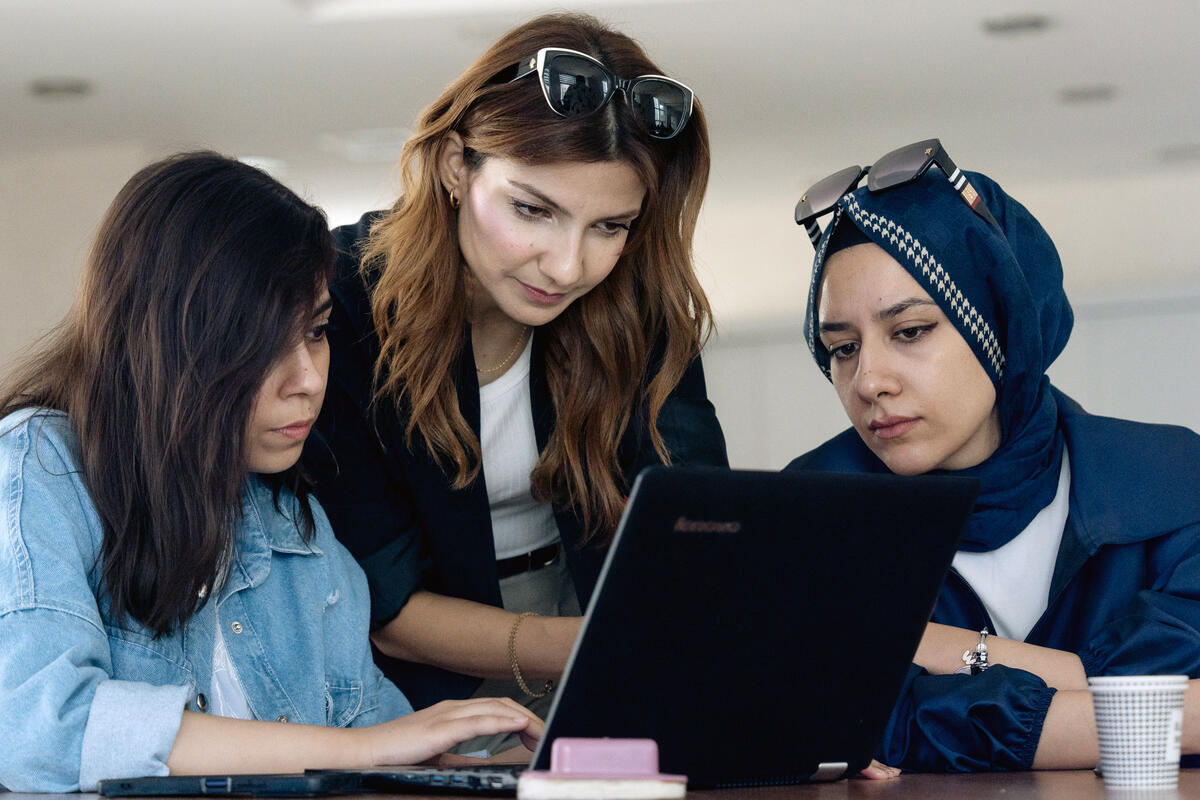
(942, 647)
(543, 645)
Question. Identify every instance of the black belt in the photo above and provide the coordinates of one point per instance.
(542, 557)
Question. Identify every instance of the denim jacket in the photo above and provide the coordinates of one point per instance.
(84, 697)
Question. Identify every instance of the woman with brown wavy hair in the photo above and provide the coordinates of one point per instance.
(519, 335)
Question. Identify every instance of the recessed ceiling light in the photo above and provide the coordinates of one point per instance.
(1016, 24)
(1093, 93)
(59, 88)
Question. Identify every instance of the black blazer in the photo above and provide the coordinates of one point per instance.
(394, 508)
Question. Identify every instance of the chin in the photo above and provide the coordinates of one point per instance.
(535, 315)
(901, 463)
(273, 466)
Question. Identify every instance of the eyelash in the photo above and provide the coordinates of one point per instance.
(919, 332)
(529, 211)
(318, 331)
(843, 352)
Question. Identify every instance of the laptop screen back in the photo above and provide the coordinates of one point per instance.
(759, 625)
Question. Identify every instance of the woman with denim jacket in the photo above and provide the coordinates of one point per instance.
(169, 594)
(936, 307)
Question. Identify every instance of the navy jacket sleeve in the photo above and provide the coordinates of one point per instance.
(1158, 631)
(1136, 511)
(966, 723)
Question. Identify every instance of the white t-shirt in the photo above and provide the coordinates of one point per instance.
(1013, 581)
(227, 699)
(509, 445)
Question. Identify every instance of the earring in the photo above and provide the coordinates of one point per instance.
(454, 203)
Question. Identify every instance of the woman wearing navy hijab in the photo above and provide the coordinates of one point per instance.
(935, 309)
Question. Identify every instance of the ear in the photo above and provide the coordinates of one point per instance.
(452, 166)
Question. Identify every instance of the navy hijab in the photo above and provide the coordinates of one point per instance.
(1003, 292)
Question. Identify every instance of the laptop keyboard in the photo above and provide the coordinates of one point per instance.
(500, 779)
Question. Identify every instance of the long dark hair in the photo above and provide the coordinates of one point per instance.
(203, 272)
(599, 351)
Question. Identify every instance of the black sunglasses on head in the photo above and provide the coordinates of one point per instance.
(574, 83)
(899, 167)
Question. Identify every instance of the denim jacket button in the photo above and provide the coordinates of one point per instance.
(237, 627)
(201, 702)
(281, 718)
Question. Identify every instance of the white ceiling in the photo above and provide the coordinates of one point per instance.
(793, 89)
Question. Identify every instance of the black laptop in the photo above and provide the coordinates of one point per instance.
(757, 625)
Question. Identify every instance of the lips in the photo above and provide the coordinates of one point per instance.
(538, 296)
(296, 431)
(892, 427)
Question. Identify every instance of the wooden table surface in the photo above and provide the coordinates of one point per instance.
(1064, 785)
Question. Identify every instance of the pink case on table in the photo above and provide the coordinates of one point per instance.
(604, 759)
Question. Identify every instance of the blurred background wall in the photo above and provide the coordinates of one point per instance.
(1087, 111)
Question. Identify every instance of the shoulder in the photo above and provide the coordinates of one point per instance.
(352, 337)
(50, 531)
(1136, 478)
(843, 453)
(39, 440)
(351, 287)
(1112, 445)
(1155, 444)
(351, 239)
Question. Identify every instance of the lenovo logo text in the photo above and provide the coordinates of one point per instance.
(685, 525)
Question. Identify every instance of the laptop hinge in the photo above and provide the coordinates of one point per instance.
(829, 771)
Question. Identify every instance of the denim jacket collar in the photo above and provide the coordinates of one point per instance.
(265, 528)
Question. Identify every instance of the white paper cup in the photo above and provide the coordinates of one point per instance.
(1139, 719)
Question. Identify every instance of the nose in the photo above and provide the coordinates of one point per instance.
(876, 376)
(563, 263)
(306, 367)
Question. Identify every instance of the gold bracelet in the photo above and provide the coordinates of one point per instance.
(512, 658)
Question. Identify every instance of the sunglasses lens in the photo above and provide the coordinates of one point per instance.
(901, 165)
(825, 193)
(576, 85)
(664, 106)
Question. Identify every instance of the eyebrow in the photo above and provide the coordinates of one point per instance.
(897, 309)
(542, 198)
(891, 312)
(325, 306)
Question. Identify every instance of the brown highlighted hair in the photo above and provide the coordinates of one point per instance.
(619, 349)
(204, 271)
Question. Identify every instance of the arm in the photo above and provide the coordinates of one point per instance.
(942, 646)
(1155, 630)
(65, 721)
(378, 522)
(1069, 739)
(215, 744)
(1152, 630)
(472, 638)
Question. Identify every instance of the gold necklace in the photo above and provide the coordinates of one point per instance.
(508, 358)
